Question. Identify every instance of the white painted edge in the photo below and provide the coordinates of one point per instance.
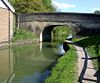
(41, 37)
(8, 5)
(2, 5)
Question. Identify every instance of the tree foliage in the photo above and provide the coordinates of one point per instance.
(48, 5)
(97, 12)
(30, 6)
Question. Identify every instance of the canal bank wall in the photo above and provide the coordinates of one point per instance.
(19, 42)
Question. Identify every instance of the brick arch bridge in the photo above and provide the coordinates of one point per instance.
(42, 24)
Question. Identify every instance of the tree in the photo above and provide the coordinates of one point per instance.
(97, 12)
(30, 6)
(48, 5)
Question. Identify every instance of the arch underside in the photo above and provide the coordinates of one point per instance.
(47, 34)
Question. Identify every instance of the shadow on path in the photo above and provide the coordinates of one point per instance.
(97, 74)
(92, 43)
(82, 74)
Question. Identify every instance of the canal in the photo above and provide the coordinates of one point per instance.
(30, 63)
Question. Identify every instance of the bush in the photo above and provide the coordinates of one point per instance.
(22, 34)
(61, 33)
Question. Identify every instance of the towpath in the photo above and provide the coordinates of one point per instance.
(86, 70)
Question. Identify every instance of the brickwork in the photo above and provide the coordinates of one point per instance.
(6, 25)
(60, 17)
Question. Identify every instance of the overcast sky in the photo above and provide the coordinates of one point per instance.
(85, 6)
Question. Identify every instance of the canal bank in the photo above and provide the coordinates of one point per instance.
(65, 71)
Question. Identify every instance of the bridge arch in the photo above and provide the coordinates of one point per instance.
(82, 24)
(46, 32)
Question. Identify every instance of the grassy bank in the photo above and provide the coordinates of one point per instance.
(22, 34)
(65, 69)
(92, 45)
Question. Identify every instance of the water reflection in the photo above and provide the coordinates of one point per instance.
(61, 50)
(26, 63)
(35, 78)
(64, 47)
(6, 64)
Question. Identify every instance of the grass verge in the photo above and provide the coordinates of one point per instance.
(22, 34)
(65, 70)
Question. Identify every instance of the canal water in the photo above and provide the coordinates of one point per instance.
(29, 63)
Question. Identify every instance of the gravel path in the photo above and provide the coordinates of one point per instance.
(86, 70)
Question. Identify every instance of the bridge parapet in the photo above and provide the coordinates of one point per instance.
(60, 17)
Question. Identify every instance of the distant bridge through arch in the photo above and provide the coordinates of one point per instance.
(42, 23)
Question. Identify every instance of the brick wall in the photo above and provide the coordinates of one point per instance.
(6, 21)
(4, 25)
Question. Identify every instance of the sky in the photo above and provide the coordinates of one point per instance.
(81, 6)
